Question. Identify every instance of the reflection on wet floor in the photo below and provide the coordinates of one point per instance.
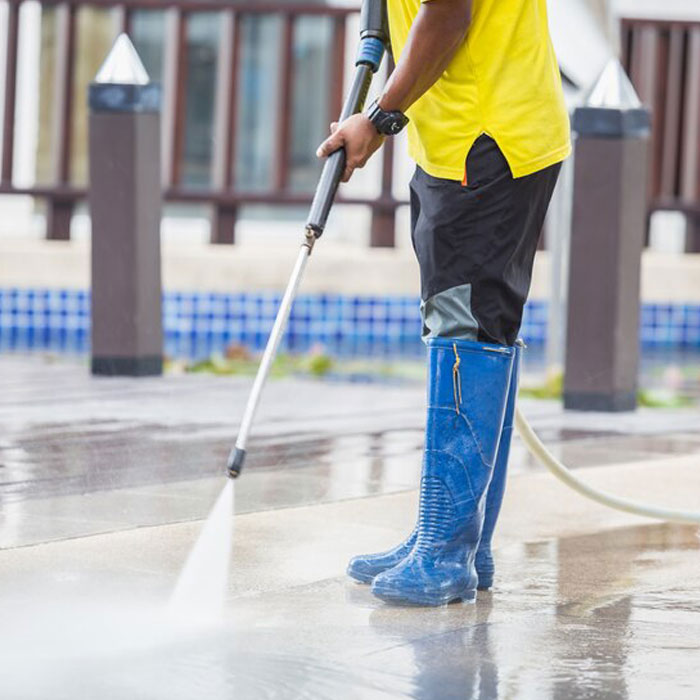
(80, 456)
(60, 459)
(58, 482)
(613, 615)
(64, 433)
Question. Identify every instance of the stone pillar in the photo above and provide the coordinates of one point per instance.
(607, 238)
(125, 207)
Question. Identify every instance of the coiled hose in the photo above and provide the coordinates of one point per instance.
(538, 449)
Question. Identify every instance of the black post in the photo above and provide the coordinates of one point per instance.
(125, 205)
(607, 238)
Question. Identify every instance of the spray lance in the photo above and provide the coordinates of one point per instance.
(374, 42)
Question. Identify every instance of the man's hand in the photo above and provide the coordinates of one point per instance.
(359, 138)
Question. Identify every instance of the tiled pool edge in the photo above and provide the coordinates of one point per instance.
(197, 324)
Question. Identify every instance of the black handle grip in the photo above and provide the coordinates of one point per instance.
(335, 164)
(326, 191)
(374, 21)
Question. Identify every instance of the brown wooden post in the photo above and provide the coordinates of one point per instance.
(125, 206)
(607, 238)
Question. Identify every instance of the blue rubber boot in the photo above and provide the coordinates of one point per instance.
(467, 391)
(494, 498)
(365, 567)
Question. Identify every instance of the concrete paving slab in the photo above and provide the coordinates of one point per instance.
(588, 602)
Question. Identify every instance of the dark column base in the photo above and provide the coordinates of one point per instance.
(383, 228)
(692, 238)
(609, 403)
(58, 217)
(127, 366)
(223, 224)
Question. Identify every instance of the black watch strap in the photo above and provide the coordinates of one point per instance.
(387, 123)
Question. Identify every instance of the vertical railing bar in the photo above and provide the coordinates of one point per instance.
(8, 128)
(222, 102)
(68, 106)
(59, 209)
(387, 191)
(223, 221)
(625, 44)
(679, 144)
(284, 116)
(658, 105)
(125, 16)
(337, 69)
(690, 181)
(179, 117)
(644, 77)
(174, 89)
(63, 103)
(384, 213)
(231, 151)
(672, 108)
(169, 78)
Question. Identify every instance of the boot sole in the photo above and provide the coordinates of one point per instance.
(468, 596)
(485, 582)
(361, 578)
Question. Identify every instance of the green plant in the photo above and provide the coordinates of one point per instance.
(553, 388)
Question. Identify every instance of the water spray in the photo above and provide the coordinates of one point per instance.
(374, 42)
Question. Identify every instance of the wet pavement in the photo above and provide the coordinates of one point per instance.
(103, 484)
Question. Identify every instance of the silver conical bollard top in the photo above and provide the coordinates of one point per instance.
(122, 65)
(122, 83)
(613, 89)
(611, 108)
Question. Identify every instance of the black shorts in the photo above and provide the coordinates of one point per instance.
(476, 245)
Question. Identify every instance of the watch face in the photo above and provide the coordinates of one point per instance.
(388, 123)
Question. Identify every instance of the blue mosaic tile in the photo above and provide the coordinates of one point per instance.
(199, 324)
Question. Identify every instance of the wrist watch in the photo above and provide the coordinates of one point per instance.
(387, 123)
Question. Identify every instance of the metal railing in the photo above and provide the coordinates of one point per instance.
(61, 194)
(663, 61)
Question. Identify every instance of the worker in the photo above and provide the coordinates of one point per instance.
(477, 85)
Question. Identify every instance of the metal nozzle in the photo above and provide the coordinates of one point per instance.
(235, 463)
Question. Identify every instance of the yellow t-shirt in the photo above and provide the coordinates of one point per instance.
(503, 81)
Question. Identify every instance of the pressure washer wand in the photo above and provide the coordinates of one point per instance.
(373, 40)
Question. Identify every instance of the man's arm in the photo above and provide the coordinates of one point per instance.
(438, 30)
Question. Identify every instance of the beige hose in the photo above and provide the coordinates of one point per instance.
(537, 448)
